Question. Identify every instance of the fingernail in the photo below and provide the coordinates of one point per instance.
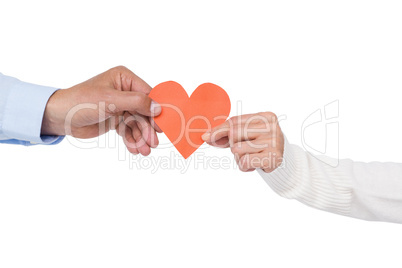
(155, 108)
(206, 136)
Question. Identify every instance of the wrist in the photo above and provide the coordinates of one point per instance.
(53, 119)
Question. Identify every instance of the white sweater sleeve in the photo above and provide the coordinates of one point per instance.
(369, 191)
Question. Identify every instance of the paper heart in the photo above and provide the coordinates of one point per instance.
(185, 119)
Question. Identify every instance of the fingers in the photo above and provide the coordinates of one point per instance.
(130, 93)
(133, 102)
(250, 161)
(126, 80)
(239, 128)
(125, 132)
(142, 123)
(221, 143)
(133, 137)
(154, 125)
(138, 134)
(266, 161)
(217, 133)
(135, 132)
(224, 130)
(140, 144)
(247, 147)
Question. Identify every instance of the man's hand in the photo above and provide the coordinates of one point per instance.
(256, 140)
(116, 99)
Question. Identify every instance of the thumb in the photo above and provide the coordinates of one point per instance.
(135, 102)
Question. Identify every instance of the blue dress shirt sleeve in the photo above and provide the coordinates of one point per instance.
(21, 112)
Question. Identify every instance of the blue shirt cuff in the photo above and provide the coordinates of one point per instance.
(47, 140)
(23, 113)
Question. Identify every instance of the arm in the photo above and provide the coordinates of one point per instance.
(21, 112)
(369, 191)
(116, 99)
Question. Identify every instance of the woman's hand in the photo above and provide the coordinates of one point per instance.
(256, 140)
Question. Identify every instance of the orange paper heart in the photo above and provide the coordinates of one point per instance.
(185, 119)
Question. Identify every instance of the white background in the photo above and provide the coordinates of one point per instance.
(62, 206)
